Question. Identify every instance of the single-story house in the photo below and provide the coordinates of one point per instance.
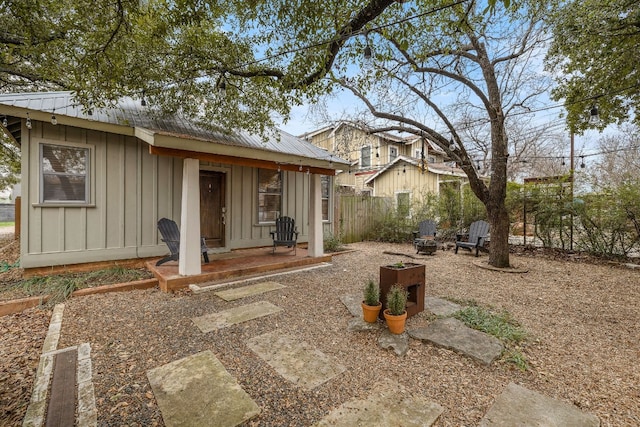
(95, 183)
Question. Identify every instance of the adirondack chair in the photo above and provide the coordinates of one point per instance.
(424, 237)
(285, 234)
(478, 231)
(171, 236)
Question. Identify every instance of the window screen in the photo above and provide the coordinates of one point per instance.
(325, 181)
(64, 174)
(269, 195)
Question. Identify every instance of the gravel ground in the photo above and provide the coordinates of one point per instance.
(581, 318)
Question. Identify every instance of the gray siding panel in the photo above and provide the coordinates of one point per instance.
(131, 190)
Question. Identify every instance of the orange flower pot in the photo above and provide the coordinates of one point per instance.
(395, 323)
(370, 312)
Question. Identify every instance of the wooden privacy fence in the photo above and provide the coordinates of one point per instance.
(356, 216)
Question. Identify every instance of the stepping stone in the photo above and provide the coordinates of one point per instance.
(294, 360)
(222, 319)
(441, 307)
(453, 334)
(353, 304)
(246, 291)
(518, 406)
(398, 342)
(198, 391)
(357, 324)
(388, 405)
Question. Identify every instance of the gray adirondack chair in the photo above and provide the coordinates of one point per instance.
(475, 239)
(171, 236)
(285, 234)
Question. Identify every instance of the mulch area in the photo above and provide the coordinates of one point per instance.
(582, 347)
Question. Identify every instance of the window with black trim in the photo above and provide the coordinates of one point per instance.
(269, 195)
(325, 182)
(64, 174)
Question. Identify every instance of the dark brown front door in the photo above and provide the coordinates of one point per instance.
(212, 208)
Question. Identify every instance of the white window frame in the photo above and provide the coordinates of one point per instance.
(362, 150)
(88, 174)
(392, 156)
(326, 180)
(260, 215)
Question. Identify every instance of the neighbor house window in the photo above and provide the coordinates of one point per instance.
(418, 154)
(325, 182)
(393, 153)
(403, 204)
(365, 157)
(269, 195)
(64, 174)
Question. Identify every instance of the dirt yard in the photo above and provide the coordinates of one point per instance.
(582, 322)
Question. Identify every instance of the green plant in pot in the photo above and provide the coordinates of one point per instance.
(371, 304)
(396, 313)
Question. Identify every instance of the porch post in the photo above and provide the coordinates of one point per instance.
(189, 261)
(316, 239)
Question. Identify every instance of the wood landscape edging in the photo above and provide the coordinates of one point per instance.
(18, 305)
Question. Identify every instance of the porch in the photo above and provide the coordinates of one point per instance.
(242, 263)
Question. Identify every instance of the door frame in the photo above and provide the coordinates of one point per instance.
(227, 175)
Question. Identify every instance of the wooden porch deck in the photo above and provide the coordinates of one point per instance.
(242, 263)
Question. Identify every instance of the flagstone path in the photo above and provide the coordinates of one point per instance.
(198, 391)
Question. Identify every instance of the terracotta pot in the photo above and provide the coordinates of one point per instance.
(370, 312)
(395, 323)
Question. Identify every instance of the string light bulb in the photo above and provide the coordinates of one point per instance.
(54, 121)
(563, 162)
(143, 101)
(5, 122)
(582, 165)
(28, 122)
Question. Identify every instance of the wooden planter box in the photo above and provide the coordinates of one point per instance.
(411, 278)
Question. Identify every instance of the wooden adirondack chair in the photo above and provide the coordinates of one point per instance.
(285, 234)
(171, 236)
(424, 237)
(478, 231)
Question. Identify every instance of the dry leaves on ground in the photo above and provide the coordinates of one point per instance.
(581, 319)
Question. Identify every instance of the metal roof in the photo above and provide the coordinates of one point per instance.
(130, 113)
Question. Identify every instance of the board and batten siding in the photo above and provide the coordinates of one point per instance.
(412, 180)
(130, 191)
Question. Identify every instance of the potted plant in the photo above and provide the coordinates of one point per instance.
(396, 314)
(371, 304)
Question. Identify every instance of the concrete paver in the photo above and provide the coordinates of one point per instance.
(389, 404)
(295, 360)
(223, 319)
(518, 406)
(198, 391)
(245, 291)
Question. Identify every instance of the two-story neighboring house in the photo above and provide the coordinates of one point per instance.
(369, 153)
